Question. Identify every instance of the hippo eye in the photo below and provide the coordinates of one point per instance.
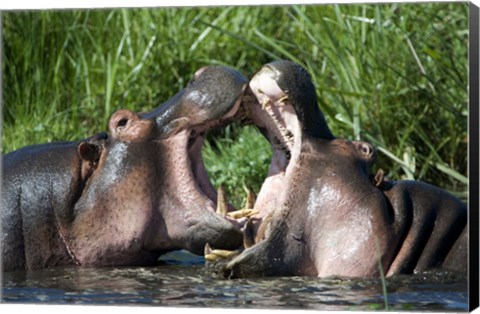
(122, 123)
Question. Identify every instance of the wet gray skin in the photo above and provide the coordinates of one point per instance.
(125, 198)
(211, 97)
(320, 211)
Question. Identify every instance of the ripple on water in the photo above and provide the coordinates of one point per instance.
(188, 285)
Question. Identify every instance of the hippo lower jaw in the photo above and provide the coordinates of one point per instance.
(195, 187)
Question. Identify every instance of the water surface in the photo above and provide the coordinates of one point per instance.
(185, 282)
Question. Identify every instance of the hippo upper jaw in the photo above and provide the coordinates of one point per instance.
(212, 98)
(271, 109)
(281, 101)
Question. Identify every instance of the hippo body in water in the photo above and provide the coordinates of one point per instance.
(123, 198)
(36, 180)
(434, 227)
(319, 211)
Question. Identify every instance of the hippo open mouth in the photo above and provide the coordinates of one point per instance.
(212, 99)
(271, 109)
(281, 115)
(190, 165)
(196, 139)
(281, 102)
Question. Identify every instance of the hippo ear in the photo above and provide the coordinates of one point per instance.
(379, 180)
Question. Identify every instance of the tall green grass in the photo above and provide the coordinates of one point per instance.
(392, 74)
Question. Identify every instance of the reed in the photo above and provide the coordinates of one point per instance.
(392, 74)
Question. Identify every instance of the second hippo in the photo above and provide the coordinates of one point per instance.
(319, 211)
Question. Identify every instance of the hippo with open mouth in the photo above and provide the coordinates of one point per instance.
(321, 212)
(126, 197)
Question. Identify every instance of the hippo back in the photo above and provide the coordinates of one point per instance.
(40, 183)
(435, 224)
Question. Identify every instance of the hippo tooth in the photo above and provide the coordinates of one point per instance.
(222, 204)
(262, 229)
(241, 213)
(248, 235)
(265, 104)
(264, 101)
(250, 198)
(207, 250)
(211, 257)
(284, 132)
(216, 255)
(225, 253)
(281, 101)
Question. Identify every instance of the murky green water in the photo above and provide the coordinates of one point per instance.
(186, 283)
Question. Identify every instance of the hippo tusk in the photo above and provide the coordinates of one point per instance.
(262, 229)
(225, 253)
(207, 253)
(250, 198)
(281, 101)
(218, 255)
(213, 255)
(222, 204)
(207, 249)
(242, 213)
(248, 235)
(265, 102)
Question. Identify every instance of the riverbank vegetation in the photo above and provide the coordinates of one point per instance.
(391, 74)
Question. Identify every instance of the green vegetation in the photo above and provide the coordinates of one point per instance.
(392, 74)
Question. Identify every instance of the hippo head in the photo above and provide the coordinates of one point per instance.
(281, 102)
(150, 192)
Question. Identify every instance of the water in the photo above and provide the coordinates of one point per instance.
(184, 282)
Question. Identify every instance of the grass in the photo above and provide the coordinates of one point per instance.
(237, 161)
(392, 74)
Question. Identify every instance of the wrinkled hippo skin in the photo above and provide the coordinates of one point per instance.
(123, 198)
(328, 217)
(37, 180)
(434, 225)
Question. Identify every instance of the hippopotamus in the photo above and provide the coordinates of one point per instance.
(126, 197)
(434, 224)
(321, 212)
